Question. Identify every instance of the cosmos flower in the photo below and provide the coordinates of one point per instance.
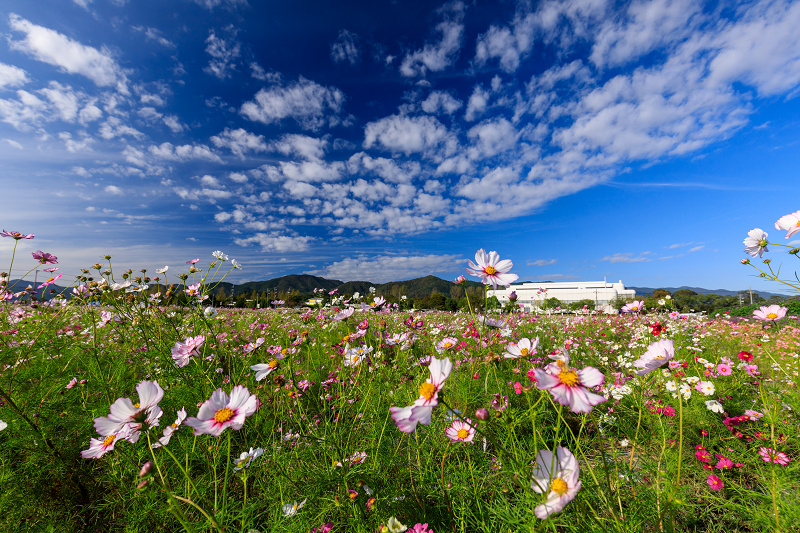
(406, 418)
(768, 454)
(126, 413)
(183, 352)
(245, 458)
(523, 348)
(570, 386)
(789, 223)
(221, 411)
(50, 281)
(290, 509)
(556, 476)
(264, 370)
(491, 270)
(44, 258)
(171, 429)
(755, 244)
(657, 354)
(15, 235)
(353, 356)
(714, 406)
(715, 482)
(219, 255)
(632, 307)
(99, 447)
(460, 431)
(771, 313)
(448, 343)
(162, 270)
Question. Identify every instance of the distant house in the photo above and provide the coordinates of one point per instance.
(532, 294)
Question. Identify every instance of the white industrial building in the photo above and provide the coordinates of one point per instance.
(532, 294)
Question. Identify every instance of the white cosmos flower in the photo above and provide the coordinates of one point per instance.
(236, 265)
(247, 457)
(714, 405)
(162, 270)
(290, 509)
(3, 425)
(219, 255)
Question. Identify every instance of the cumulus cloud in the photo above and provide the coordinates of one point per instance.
(239, 141)
(437, 57)
(11, 76)
(441, 102)
(184, 152)
(51, 47)
(223, 54)
(409, 135)
(345, 48)
(274, 242)
(309, 103)
(387, 268)
(303, 146)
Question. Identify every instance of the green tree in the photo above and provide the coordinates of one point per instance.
(551, 303)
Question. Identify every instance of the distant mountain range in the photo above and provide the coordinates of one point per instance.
(413, 288)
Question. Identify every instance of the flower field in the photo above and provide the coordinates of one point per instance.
(124, 409)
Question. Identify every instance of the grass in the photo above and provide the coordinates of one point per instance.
(328, 437)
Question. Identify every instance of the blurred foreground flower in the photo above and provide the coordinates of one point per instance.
(558, 478)
(657, 354)
(789, 223)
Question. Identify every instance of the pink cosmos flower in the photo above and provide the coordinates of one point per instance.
(523, 348)
(406, 418)
(768, 454)
(789, 223)
(182, 352)
(723, 462)
(715, 482)
(745, 356)
(724, 369)
(460, 280)
(460, 431)
(570, 386)
(632, 307)
(703, 455)
(773, 313)
(193, 290)
(491, 270)
(657, 354)
(98, 447)
(50, 281)
(518, 387)
(15, 235)
(125, 412)
(420, 528)
(556, 476)
(221, 411)
(44, 258)
(752, 370)
(193, 261)
(71, 383)
(171, 429)
(448, 343)
(756, 242)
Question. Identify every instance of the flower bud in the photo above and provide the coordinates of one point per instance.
(146, 468)
(794, 251)
(745, 261)
(482, 413)
(142, 484)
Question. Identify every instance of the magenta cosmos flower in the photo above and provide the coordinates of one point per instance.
(657, 354)
(491, 270)
(556, 476)
(570, 386)
(221, 412)
(406, 418)
(789, 223)
(50, 281)
(715, 482)
(126, 413)
(461, 431)
(15, 235)
(768, 454)
(44, 258)
(772, 313)
(756, 242)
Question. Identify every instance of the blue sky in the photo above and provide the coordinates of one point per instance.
(381, 141)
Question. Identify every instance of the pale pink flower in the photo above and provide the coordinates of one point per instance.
(448, 343)
(125, 412)
(570, 386)
(523, 348)
(491, 270)
(15, 235)
(657, 354)
(50, 281)
(789, 223)
(556, 476)
(193, 290)
(406, 418)
(756, 242)
(183, 352)
(771, 313)
(44, 258)
(769, 454)
(221, 411)
(71, 383)
(633, 307)
(98, 447)
(460, 431)
(171, 429)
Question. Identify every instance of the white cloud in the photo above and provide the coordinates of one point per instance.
(383, 269)
(13, 143)
(173, 123)
(11, 76)
(184, 153)
(238, 177)
(273, 242)
(542, 262)
(113, 189)
(63, 99)
(83, 3)
(211, 4)
(439, 56)
(239, 141)
(441, 102)
(309, 148)
(626, 258)
(223, 54)
(492, 137)
(388, 169)
(476, 104)
(309, 103)
(345, 48)
(51, 47)
(410, 135)
(114, 127)
(155, 35)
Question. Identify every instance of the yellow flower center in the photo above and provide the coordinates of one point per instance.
(223, 415)
(490, 270)
(448, 344)
(273, 364)
(559, 486)
(524, 351)
(356, 358)
(346, 338)
(462, 434)
(559, 363)
(108, 440)
(772, 316)
(427, 390)
(568, 378)
(285, 351)
(136, 405)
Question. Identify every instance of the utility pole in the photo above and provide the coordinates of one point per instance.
(751, 295)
